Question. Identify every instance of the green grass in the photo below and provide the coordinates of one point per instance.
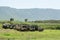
(45, 25)
(10, 34)
(45, 35)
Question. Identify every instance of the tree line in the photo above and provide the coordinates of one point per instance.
(47, 21)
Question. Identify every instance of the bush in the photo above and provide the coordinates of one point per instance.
(58, 27)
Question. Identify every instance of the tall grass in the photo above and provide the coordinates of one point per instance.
(16, 35)
(10, 34)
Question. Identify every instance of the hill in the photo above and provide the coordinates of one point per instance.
(31, 14)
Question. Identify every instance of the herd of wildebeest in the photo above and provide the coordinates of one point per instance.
(23, 27)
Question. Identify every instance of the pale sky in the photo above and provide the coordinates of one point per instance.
(21, 4)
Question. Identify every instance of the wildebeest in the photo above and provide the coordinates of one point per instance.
(35, 28)
(17, 27)
(5, 25)
(23, 27)
(8, 26)
(11, 26)
(32, 28)
(40, 29)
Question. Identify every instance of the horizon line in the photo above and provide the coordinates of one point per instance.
(28, 8)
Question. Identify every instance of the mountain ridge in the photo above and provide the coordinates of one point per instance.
(32, 14)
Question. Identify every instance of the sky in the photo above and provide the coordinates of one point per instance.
(21, 4)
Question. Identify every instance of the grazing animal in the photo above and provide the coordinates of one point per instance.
(5, 26)
(11, 26)
(35, 28)
(17, 27)
(23, 27)
(40, 29)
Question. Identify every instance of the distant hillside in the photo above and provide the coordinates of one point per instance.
(31, 14)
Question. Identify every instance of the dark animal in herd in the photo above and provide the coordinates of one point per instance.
(22, 27)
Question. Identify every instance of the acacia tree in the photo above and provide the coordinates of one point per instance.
(11, 19)
(26, 20)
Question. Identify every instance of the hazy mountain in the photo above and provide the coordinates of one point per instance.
(31, 14)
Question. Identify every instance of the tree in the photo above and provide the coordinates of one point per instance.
(11, 19)
(26, 20)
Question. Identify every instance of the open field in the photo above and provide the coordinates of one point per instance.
(47, 34)
(16, 35)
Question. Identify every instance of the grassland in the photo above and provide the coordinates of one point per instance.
(47, 34)
(16, 35)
